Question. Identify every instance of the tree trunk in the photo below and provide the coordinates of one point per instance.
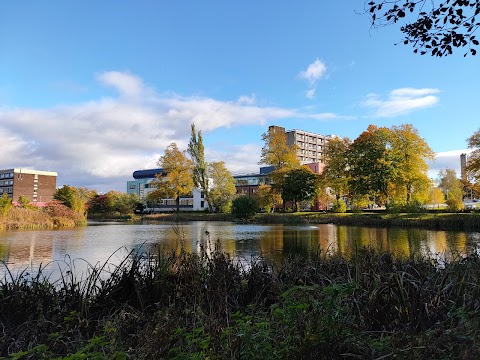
(177, 201)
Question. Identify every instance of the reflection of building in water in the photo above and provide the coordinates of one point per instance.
(32, 253)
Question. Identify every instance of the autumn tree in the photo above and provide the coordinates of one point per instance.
(452, 187)
(410, 152)
(74, 198)
(300, 185)
(223, 188)
(277, 153)
(436, 197)
(178, 180)
(371, 164)
(200, 166)
(431, 27)
(473, 163)
(267, 197)
(335, 172)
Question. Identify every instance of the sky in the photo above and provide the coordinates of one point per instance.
(95, 90)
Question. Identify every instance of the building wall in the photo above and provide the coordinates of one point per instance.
(141, 186)
(38, 186)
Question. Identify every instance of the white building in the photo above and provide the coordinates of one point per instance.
(142, 185)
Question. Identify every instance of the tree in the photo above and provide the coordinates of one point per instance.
(436, 27)
(178, 179)
(473, 163)
(23, 201)
(223, 186)
(371, 164)
(437, 197)
(411, 153)
(452, 187)
(244, 208)
(299, 185)
(5, 204)
(277, 153)
(200, 167)
(335, 172)
(267, 197)
(74, 198)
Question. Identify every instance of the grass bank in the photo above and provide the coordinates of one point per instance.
(438, 221)
(52, 216)
(198, 306)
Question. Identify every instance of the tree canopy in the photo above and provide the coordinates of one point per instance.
(300, 184)
(223, 188)
(431, 27)
(473, 165)
(200, 166)
(178, 179)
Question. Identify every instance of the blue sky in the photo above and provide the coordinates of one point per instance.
(98, 89)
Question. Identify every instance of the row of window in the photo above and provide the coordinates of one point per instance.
(6, 190)
(6, 175)
(6, 182)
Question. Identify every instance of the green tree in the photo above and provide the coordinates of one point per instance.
(411, 153)
(432, 27)
(371, 164)
(473, 163)
(178, 179)
(452, 187)
(200, 166)
(74, 198)
(267, 198)
(299, 185)
(335, 172)
(5, 204)
(23, 200)
(223, 186)
(244, 208)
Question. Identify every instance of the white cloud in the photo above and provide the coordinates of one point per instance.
(101, 142)
(446, 160)
(314, 71)
(401, 101)
(312, 74)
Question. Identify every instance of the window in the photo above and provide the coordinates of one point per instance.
(202, 204)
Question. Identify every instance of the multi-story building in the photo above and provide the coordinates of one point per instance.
(310, 146)
(142, 185)
(38, 186)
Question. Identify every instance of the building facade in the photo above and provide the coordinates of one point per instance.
(38, 186)
(142, 185)
(310, 146)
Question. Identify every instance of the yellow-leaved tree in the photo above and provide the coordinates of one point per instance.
(178, 180)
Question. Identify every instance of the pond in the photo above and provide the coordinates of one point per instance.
(110, 242)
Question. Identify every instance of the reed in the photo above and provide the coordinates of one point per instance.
(182, 305)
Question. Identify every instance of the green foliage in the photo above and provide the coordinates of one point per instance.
(5, 204)
(339, 206)
(473, 164)
(200, 170)
(299, 185)
(223, 187)
(244, 208)
(23, 200)
(113, 202)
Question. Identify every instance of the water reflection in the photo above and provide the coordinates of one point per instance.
(111, 242)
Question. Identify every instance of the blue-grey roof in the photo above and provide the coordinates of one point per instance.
(148, 173)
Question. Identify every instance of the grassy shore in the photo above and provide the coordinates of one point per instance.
(438, 221)
(40, 218)
(198, 306)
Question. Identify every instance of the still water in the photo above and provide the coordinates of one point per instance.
(102, 242)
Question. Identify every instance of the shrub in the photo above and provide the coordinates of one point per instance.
(339, 206)
(244, 208)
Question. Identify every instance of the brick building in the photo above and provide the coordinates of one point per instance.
(38, 186)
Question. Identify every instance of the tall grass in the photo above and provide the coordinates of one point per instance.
(181, 305)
